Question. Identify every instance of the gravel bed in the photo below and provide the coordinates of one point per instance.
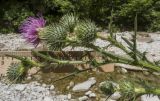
(30, 92)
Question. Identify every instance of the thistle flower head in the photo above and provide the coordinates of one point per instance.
(30, 28)
(86, 31)
(16, 72)
(56, 36)
(107, 87)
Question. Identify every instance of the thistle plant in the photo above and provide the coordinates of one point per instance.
(128, 89)
(72, 31)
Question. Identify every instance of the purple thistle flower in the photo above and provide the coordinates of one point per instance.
(30, 28)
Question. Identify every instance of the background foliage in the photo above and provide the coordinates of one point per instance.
(13, 12)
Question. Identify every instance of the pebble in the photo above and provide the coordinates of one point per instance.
(29, 78)
(29, 92)
(20, 87)
(146, 73)
(69, 96)
(115, 96)
(44, 85)
(84, 86)
(110, 100)
(124, 71)
(149, 98)
(48, 99)
(83, 98)
(52, 87)
(71, 84)
(156, 73)
(92, 95)
(88, 93)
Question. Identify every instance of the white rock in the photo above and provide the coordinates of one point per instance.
(52, 87)
(84, 86)
(156, 73)
(149, 98)
(115, 96)
(92, 95)
(20, 87)
(47, 99)
(110, 100)
(29, 78)
(44, 85)
(87, 93)
(71, 84)
(123, 70)
(69, 96)
(129, 67)
(83, 98)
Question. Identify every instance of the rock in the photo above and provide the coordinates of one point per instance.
(47, 99)
(51, 87)
(146, 73)
(69, 96)
(156, 73)
(107, 67)
(88, 93)
(71, 84)
(149, 98)
(20, 87)
(110, 100)
(29, 78)
(44, 85)
(129, 67)
(92, 95)
(124, 71)
(1, 45)
(84, 86)
(115, 96)
(37, 77)
(144, 39)
(83, 98)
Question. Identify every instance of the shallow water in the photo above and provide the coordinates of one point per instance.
(61, 86)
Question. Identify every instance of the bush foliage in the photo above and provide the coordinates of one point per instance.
(13, 12)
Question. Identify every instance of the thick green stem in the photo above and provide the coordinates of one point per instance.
(149, 65)
(50, 59)
(135, 40)
(141, 91)
(26, 60)
(112, 56)
(114, 42)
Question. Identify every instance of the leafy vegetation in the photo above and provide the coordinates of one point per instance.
(12, 12)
